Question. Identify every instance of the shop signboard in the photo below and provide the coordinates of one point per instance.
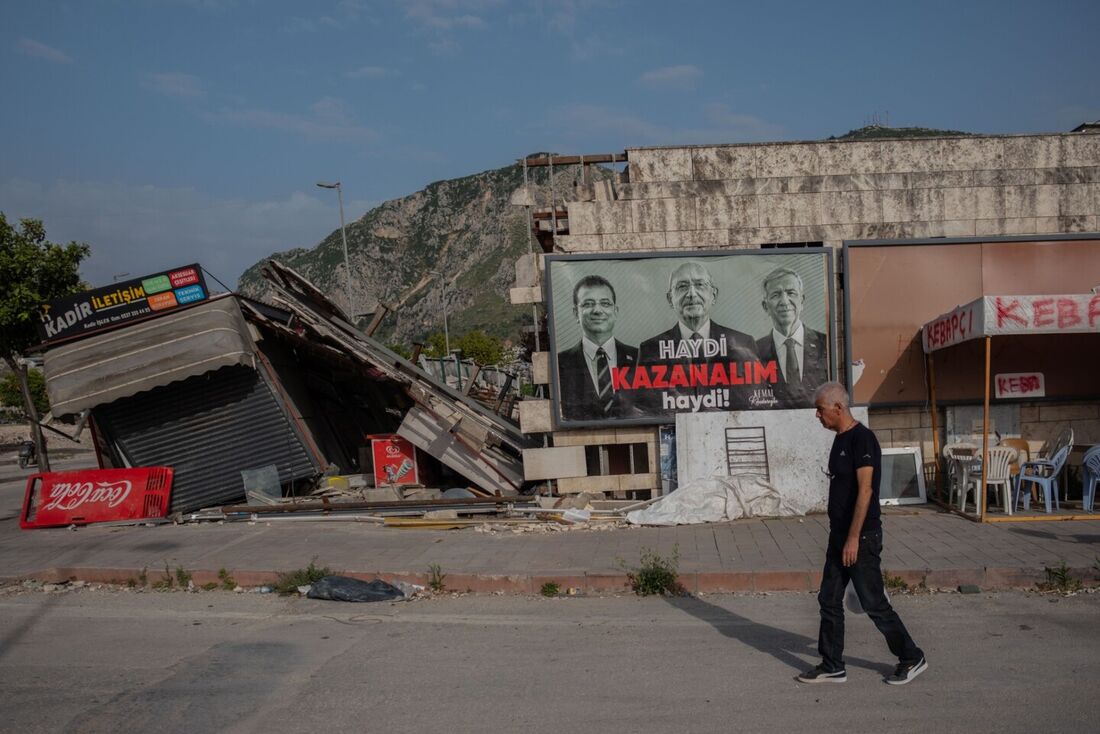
(1019, 385)
(641, 338)
(120, 303)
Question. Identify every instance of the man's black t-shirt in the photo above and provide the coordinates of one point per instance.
(855, 448)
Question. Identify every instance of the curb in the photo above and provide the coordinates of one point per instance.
(987, 579)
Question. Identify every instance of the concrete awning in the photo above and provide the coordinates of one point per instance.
(100, 369)
(1000, 315)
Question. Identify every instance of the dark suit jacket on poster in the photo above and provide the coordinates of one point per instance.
(578, 395)
(740, 347)
(815, 368)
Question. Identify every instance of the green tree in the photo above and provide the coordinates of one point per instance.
(11, 393)
(436, 346)
(480, 347)
(399, 349)
(33, 271)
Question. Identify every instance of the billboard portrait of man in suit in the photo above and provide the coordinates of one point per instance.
(692, 295)
(584, 370)
(801, 353)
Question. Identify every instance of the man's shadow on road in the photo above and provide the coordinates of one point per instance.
(790, 648)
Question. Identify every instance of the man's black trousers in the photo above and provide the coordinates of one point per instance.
(866, 577)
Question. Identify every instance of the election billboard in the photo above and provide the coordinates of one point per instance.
(640, 338)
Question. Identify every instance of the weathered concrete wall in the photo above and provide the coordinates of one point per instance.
(748, 195)
(745, 196)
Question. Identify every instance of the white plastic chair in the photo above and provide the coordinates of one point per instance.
(959, 457)
(998, 476)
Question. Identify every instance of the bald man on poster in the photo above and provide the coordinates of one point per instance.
(692, 295)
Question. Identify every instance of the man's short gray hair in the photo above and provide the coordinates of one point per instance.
(781, 273)
(832, 393)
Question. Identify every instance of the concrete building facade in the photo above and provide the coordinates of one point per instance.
(829, 192)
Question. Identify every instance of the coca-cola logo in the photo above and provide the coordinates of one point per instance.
(71, 495)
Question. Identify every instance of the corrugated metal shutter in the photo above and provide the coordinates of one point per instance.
(208, 428)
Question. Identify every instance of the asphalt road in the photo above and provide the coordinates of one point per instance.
(13, 479)
(98, 661)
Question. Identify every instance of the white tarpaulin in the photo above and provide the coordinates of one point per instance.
(998, 315)
(717, 499)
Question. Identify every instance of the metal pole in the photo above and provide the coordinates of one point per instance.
(531, 250)
(446, 331)
(344, 238)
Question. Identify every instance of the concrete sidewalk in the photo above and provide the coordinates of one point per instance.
(941, 549)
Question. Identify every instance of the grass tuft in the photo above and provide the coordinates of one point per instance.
(288, 583)
(655, 574)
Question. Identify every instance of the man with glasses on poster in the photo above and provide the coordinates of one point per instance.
(801, 353)
(584, 370)
(695, 338)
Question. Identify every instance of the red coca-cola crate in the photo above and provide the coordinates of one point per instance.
(56, 499)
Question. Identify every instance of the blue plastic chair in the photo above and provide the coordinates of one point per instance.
(1090, 472)
(1048, 479)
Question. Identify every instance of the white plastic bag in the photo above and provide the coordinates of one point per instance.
(851, 599)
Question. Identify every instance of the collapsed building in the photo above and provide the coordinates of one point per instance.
(218, 387)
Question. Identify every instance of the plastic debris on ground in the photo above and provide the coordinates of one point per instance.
(343, 588)
(717, 499)
(574, 516)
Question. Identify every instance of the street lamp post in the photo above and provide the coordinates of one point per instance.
(446, 333)
(343, 236)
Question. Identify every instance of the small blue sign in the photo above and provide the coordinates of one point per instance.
(190, 294)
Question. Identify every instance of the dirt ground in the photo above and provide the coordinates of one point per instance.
(11, 434)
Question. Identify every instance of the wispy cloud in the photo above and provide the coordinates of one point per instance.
(144, 228)
(443, 20)
(683, 76)
(601, 120)
(328, 121)
(29, 47)
(370, 72)
(586, 48)
(447, 15)
(726, 125)
(175, 84)
(625, 128)
(560, 16)
(344, 15)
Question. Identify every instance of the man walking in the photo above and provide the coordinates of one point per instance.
(855, 545)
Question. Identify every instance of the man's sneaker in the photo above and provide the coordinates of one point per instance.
(820, 675)
(906, 672)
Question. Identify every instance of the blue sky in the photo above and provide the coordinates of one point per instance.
(164, 132)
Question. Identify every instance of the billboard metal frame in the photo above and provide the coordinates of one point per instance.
(829, 254)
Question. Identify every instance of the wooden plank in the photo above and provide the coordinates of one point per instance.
(569, 160)
(483, 469)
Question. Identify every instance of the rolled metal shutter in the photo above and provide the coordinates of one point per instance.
(208, 428)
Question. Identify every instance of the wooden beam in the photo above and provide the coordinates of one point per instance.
(980, 503)
(547, 214)
(568, 160)
(937, 459)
